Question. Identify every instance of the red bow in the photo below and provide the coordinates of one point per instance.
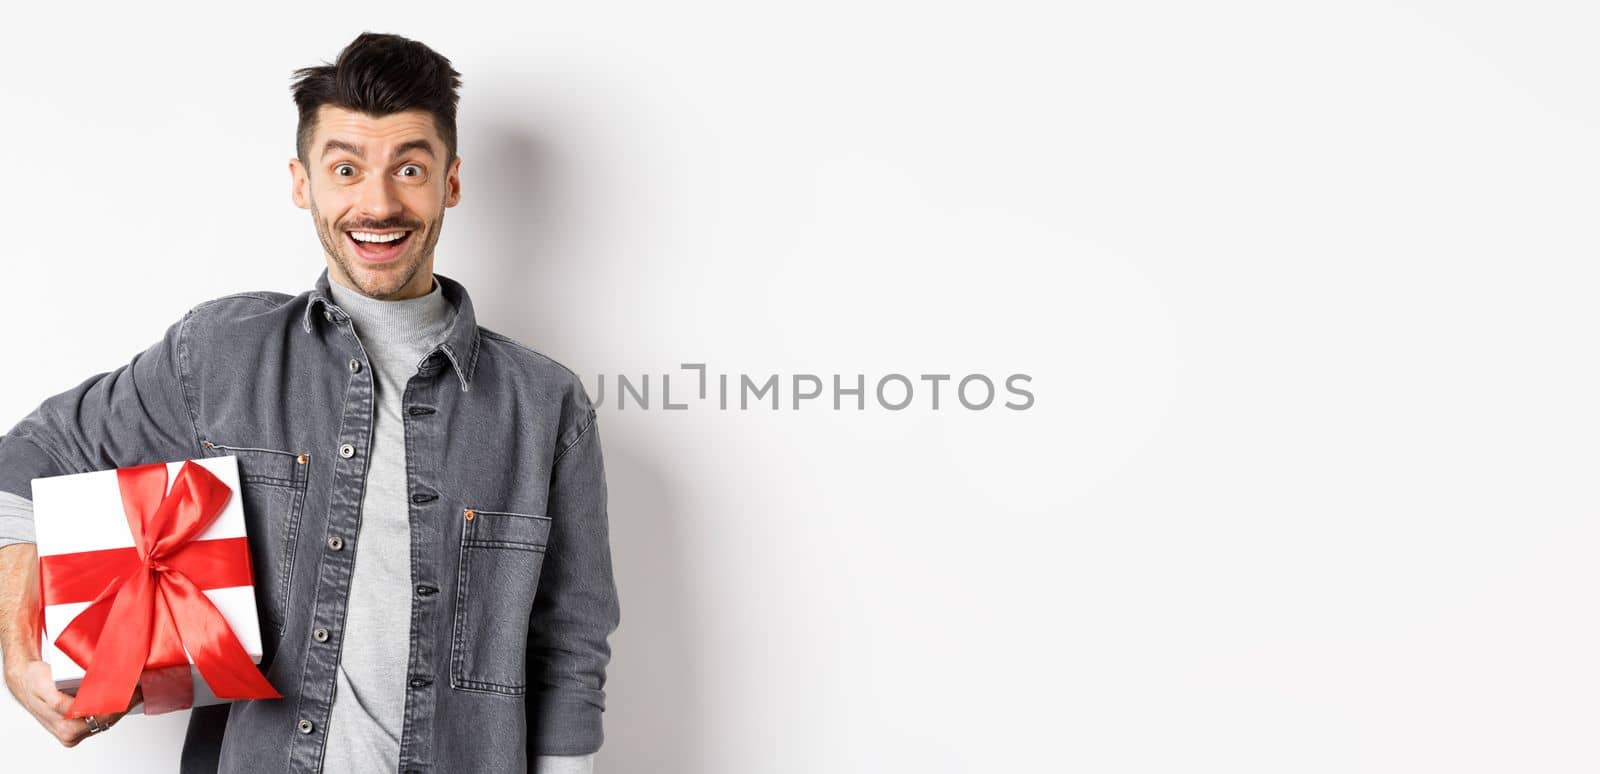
(148, 599)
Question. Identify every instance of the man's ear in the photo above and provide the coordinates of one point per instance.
(452, 184)
(298, 184)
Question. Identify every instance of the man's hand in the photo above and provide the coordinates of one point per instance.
(36, 691)
(27, 676)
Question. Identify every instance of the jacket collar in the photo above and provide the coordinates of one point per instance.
(460, 344)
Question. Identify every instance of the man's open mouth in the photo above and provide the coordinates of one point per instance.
(378, 246)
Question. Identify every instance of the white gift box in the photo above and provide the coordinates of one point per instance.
(84, 512)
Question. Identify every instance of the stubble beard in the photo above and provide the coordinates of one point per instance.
(334, 243)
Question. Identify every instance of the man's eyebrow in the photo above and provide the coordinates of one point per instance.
(355, 150)
(333, 145)
(422, 145)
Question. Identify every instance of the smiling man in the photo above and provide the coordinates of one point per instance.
(425, 497)
(378, 234)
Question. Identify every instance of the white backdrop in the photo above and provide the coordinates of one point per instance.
(1304, 289)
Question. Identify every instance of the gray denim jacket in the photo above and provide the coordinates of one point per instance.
(513, 600)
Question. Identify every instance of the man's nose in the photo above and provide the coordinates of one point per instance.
(379, 200)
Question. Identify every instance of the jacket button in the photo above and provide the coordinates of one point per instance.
(424, 497)
(304, 726)
(355, 365)
(320, 635)
(327, 315)
(347, 451)
(424, 589)
(419, 682)
(335, 542)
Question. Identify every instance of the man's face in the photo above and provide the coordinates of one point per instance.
(376, 179)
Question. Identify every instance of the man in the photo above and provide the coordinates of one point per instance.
(425, 497)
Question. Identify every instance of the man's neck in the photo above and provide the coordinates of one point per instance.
(401, 320)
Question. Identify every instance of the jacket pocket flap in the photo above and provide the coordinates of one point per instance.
(505, 529)
(266, 466)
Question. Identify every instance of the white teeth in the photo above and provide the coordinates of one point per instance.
(362, 236)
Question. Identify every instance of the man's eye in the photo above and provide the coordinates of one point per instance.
(344, 170)
(416, 170)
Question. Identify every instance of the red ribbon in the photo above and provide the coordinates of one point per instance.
(147, 599)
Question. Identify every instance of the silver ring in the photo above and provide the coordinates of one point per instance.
(94, 726)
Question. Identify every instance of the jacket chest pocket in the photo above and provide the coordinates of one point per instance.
(501, 556)
(273, 484)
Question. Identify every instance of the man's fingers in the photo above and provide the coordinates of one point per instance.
(75, 730)
(39, 683)
(44, 687)
(68, 731)
(46, 706)
(49, 705)
(59, 701)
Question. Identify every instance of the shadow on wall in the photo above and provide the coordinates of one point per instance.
(654, 682)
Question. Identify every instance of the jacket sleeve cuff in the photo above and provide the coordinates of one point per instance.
(22, 461)
(564, 724)
(16, 519)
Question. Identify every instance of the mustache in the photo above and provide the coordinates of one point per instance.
(407, 225)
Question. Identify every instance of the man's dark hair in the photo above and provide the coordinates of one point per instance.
(379, 74)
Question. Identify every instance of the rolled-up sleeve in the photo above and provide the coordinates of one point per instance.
(16, 519)
(576, 608)
(135, 414)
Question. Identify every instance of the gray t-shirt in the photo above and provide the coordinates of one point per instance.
(370, 688)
